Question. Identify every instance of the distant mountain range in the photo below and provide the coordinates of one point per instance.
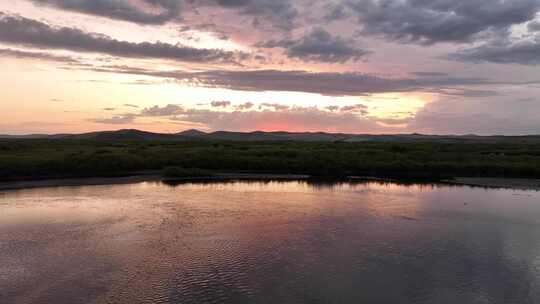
(196, 135)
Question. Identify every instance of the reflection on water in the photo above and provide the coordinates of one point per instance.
(269, 242)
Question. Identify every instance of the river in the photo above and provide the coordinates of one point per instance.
(269, 242)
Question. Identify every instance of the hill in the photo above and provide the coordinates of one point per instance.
(196, 135)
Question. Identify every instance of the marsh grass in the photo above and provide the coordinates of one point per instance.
(54, 158)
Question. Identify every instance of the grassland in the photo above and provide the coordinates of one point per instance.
(43, 158)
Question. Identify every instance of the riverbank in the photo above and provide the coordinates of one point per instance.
(151, 176)
(507, 183)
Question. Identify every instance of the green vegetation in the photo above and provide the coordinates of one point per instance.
(37, 158)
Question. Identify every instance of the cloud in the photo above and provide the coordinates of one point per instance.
(245, 106)
(528, 99)
(325, 83)
(129, 105)
(335, 12)
(109, 109)
(449, 115)
(290, 118)
(155, 12)
(115, 120)
(281, 13)
(471, 123)
(20, 30)
(525, 52)
(534, 26)
(275, 106)
(507, 115)
(157, 111)
(293, 119)
(433, 21)
(358, 108)
(429, 74)
(319, 45)
(21, 54)
(220, 104)
(119, 9)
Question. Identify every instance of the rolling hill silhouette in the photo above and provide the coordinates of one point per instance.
(197, 135)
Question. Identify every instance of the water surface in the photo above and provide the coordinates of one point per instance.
(269, 242)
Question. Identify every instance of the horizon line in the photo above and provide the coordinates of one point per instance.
(273, 131)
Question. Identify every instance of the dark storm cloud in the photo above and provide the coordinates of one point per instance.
(119, 9)
(526, 52)
(319, 45)
(28, 32)
(281, 12)
(336, 12)
(332, 84)
(432, 21)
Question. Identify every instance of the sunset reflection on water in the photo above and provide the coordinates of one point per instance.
(269, 242)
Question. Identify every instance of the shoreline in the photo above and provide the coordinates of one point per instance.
(139, 178)
(498, 183)
(484, 182)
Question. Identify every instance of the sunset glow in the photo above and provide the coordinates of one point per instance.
(289, 67)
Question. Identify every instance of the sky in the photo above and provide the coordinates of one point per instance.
(354, 66)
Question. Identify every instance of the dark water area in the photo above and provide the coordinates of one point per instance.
(269, 242)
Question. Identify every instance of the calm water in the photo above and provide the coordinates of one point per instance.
(273, 242)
